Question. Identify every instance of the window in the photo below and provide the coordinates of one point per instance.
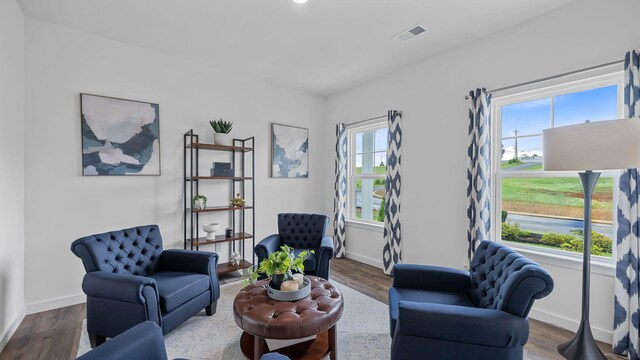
(367, 168)
(545, 209)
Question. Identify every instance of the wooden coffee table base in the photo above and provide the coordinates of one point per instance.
(253, 347)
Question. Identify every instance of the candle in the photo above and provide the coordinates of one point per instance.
(299, 278)
(289, 285)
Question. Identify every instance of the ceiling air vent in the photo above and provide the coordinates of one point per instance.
(410, 33)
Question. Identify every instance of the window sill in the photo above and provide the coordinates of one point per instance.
(365, 226)
(569, 261)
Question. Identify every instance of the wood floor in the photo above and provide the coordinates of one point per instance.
(54, 334)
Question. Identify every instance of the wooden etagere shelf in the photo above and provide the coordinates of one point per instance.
(220, 208)
(235, 178)
(222, 239)
(240, 218)
(226, 268)
(204, 146)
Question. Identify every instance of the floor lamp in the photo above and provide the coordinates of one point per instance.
(601, 145)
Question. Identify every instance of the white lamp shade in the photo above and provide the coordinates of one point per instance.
(600, 145)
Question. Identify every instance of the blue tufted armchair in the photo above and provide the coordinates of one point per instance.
(443, 313)
(131, 279)
(301, 232)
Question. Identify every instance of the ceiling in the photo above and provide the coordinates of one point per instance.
(323, 46)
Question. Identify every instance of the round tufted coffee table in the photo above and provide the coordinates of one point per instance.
(264, 318)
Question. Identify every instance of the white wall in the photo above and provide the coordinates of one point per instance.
(431, 95)
(12, 169)
(61, 205)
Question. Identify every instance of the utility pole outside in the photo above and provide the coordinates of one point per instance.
(516, 133)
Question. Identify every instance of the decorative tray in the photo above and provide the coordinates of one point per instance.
(290, 295)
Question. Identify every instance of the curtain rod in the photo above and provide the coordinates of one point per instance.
(553, 77)
(361, 121)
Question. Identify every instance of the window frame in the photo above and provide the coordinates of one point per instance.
(352, 177)
(586, 82)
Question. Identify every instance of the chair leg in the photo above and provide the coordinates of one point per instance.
(211, 309)
(96, 340)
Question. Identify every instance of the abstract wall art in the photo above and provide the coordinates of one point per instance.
(289, 151)
(119, 137)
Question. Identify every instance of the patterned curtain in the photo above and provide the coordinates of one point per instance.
(392, 227)
(479, 169)
(626, 303)
(340, 197)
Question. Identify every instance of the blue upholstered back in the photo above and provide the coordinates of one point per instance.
(504, 280)
(133, 251)
(302, 231)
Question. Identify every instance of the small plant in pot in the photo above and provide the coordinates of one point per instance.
(279, 266)
(200, 202)
(221, 132)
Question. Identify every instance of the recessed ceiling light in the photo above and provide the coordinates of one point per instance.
(299, 1)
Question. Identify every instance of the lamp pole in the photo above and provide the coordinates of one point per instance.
(602, 145)
(583, 346)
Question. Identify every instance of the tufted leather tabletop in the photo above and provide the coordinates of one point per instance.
(256, 313)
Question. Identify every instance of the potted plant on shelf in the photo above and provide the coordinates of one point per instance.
(221, 132)
(237, 201)
(279, 266)
(200, 202)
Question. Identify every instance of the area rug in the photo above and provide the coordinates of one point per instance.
(363, 330)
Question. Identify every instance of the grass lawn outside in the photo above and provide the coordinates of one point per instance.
(509, 165)
(537, 167)
(377, 170)
(506, 165)
(556, 197)
(359, 213)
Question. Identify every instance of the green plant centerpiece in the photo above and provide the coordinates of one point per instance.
(221, 131)
(279, 266)
(200, 202)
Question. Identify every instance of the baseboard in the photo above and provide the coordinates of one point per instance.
(365, 259)
(570, 324)
(8, 333)
(55, 303)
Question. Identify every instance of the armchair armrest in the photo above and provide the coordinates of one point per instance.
(469, 325)
(120, 287)
(427, 277)
(199, 262)
(326, 247)
(324, 255)
(143, 341)
(268, 245)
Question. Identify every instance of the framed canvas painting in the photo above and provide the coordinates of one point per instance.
(119, 137)
(289, 151)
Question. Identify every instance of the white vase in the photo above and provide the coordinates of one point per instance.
(200, 204)
(222, 139)
(211, 229)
